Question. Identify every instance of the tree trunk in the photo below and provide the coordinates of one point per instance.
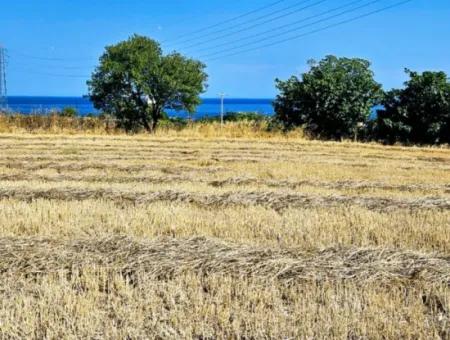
(151, 126)
(146, 124)
(156, 113)
(154, 123)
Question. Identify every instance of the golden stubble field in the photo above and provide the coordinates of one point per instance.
(187, 237)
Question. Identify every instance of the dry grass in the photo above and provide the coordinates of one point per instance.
(165, 259)
(207, 233)
(308, 229)
(54, 124)
(273, 200)
(97, 304)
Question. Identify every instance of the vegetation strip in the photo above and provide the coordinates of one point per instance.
(165, 258)
(237, 181)
(329, 185)
(272, 200)
(79, 166)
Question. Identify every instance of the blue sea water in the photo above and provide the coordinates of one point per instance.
(209, 106)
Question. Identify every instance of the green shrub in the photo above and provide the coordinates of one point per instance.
(69, 112)
(237, 117)
(418, 113)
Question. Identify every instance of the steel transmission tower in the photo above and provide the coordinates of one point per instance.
(3, 89)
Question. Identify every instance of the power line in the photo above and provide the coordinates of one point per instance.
(229, 34)
(29, 71)
(270, 37)
(24, 68)
(28, 56)
(280, 27)
(53, 67)
(56, 75)
(206, 28)
(268, 15)
(314, 31)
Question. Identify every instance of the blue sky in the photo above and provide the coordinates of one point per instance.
(54, 44)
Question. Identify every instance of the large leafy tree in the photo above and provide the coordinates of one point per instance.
(136, 83)
(418, 113)
(331, 99)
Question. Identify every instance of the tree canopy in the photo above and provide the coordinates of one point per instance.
(418, 113)
(331, 99)
(136, 83)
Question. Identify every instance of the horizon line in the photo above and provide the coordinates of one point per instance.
(53, 96)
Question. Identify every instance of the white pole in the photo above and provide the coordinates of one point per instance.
(222, 98)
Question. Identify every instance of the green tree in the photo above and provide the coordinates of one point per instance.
(136, 83)
(418, 113)
(331, 100)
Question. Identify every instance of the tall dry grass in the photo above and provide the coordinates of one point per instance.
(207, 234)
(54, 124)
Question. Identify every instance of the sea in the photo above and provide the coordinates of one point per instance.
(209, 107)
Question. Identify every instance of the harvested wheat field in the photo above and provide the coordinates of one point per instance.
(187, 237)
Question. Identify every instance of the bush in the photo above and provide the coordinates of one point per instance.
(69, 112)
(331, 100)
(244, 116)
(237, 117)
(173, 123)
(419, 113)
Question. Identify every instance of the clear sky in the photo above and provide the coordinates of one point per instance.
(54, 44)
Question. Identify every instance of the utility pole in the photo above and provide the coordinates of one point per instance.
(3, 89)
(222, 98)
